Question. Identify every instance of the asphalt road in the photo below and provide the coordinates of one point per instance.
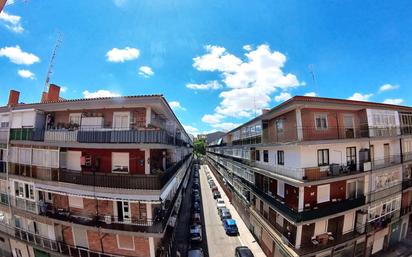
(219, 244)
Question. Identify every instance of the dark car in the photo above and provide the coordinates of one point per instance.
(214, 188)
(196, 207)
(216, 194)
(195, 192)
(230, 227)
(196, 198)
(243, 251)
(195, 186)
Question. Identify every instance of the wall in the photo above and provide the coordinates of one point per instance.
(139, 115)
(335, 119)
(289, 129)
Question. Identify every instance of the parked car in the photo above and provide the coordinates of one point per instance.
(243, 251)
(215, 189)
(195, 192)
(196, 207)
(220, 203)
(216, 194)
(225, 214)
(196, 219)
(196, 198)
(195, 186)
(211, 184)
(196, 233)
(230, 227)
(195, 253)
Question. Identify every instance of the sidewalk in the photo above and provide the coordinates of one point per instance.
(245, 236)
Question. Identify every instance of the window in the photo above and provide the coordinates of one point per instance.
(120, 162)
(280, 126)
(75, 118)
(4, 124)
(121, 120)
(281, 188)
(321, 121)
(281, 158)
(125, 242)
(76, 202)
(351, 156)
(265, 155)
(323, 157)
(24, 190)
(323, 193)
(257, 155)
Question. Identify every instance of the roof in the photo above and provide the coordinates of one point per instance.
(231, 222)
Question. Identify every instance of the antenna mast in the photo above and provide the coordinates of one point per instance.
(51, 64)
(311, 68)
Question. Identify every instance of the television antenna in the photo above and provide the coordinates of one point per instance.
(52, 59)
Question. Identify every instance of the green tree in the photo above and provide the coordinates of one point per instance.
(199, 147)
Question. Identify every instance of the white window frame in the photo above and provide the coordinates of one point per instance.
(125, 248)
(121, 114)
(281, 188)
(321, 198)
(75, 116)
(321, 115)
(128, 162)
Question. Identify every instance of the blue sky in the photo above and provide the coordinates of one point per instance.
(219, 62)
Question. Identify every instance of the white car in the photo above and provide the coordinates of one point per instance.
(220, 203)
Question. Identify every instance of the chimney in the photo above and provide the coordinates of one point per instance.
(13, 98)
(53, 95)
(265, 110)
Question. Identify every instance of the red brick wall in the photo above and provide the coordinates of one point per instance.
(138, 114)
(289, 125)
(67, 235)
(141, 246)
(136, 159)
(94, 240)
(139, 211)
(335, 123)
(105, 207)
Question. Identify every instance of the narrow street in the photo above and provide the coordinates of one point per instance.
(220, 244)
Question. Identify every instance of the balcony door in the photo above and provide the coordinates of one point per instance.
(123, 212)
(349, 126)
(386, 153)
(121, 120)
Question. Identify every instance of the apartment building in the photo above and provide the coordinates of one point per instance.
(321, 177)
(90, 177)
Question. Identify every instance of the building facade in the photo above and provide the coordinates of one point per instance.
(321, 177)
(90, 177)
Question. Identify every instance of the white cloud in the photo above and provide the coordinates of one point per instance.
(387, 87)
(26, 74)
(313, 94)
(122, 55)
(249, 82)
(119, 3)
(283, 97)
(212, 118)
(17, 56)
(63, 89)
(360, 97)
(175, 105)
(99, 93)
(395, 101)
(213, 85)
(191, 130)
(145, 71)
(247, 47)
(226, 126)
(12, 22)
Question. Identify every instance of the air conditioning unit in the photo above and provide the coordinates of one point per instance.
(107, 219)
(367, 166)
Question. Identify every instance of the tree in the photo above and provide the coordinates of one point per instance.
(199, 147)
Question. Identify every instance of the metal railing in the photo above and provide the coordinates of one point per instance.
(52, 245)
(116, 180)
(305, 215)
(98, 135)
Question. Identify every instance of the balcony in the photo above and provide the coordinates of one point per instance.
(307, 214)
(51, 245)
(29, 134)
(116, 180)
(389, 161)
(101, 135)
(386, 190)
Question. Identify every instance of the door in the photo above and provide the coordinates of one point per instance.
(123, 211)
(372, 153)
(386, 153)
(351, 158)
(351, 190)
(348, 123)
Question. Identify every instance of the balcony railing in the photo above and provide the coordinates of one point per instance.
(116, 180)
(387, 162)
(305, 215)
(51, 245)
(98, 135)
